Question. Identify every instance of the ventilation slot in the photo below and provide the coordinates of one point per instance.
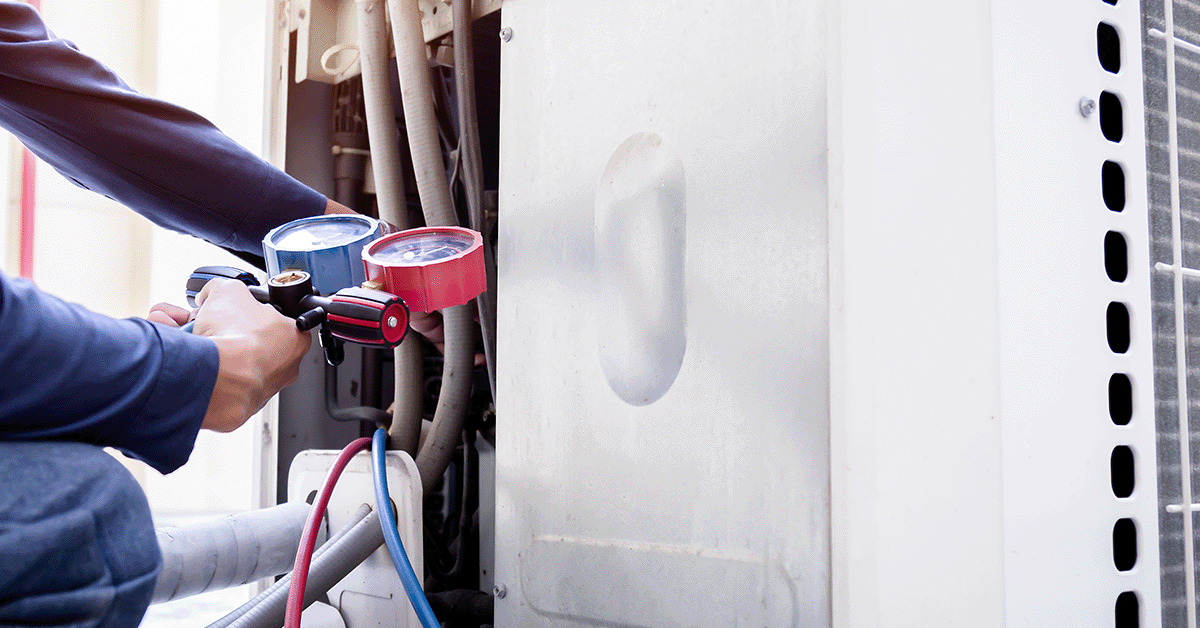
(1111, 124)
(1121, 467)
(1108, 46)
(1124, 544)
(1116, 256)
(1112, 178)
(1127, 610)
(1120, 398)
(1118, 327)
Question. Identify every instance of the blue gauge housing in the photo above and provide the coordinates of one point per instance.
(327, 247)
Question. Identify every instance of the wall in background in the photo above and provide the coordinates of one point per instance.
(207, 55)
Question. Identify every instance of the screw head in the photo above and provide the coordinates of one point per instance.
(1087, 107)
(506, 34)
(392, 322)
(499, 591)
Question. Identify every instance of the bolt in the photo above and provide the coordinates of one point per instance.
(499, 591)
(506, 34)
(1087, 107)
(392, 322)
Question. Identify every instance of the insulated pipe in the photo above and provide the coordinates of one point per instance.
(472, 159)
(419, 117)
(421, 121)
(286, 581)
(386, 166)
(360, 542)
(228, 552)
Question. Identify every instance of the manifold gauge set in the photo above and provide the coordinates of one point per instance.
(342, 273)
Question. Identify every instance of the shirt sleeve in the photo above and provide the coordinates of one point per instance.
(165, 162)
(71, 374)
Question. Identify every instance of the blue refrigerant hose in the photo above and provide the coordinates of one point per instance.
(391, 536)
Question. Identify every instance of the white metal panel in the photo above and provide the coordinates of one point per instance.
(916, 426)
(705, 500)
(370, 596)
(1059, 505)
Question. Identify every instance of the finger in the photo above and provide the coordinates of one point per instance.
(208, 290)
(228, 288)
(480, 359)
(162, 319)
(169, 314)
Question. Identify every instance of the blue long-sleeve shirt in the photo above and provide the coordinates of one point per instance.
(70, 374)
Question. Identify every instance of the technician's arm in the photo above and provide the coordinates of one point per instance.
(70, 374)
(161, 160)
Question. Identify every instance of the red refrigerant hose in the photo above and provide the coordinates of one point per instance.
(295, 601)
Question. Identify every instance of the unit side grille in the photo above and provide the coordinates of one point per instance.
(1175, 495)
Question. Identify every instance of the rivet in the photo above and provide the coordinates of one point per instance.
(1087, 107)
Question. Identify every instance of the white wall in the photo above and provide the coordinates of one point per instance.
(207, 55)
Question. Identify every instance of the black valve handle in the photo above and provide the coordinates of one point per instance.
(359, 315)
(202, 275)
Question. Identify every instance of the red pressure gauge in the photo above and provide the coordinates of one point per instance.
(429, 268)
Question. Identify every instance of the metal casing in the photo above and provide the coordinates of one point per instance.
(332, 267)
(664, 316)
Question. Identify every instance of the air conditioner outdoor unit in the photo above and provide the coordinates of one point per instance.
(851, 313)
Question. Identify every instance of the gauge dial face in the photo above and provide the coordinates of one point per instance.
(419, 249)
(310, 236)
(430, 268)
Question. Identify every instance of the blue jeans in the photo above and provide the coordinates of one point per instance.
(77, 544)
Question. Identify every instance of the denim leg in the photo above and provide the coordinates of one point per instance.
(77, 544)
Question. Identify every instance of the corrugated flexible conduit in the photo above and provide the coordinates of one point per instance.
(458, 321)
(386, 167)
(471, 155)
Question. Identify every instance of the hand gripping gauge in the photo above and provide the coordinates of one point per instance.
(430, 268)
(358, 315)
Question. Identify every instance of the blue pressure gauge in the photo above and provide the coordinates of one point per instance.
(327, 247)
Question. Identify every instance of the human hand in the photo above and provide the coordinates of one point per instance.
(334, 207)
(260, 350)
(429, 325)
(169, 315)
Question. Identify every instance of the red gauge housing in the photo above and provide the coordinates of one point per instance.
(430, 268)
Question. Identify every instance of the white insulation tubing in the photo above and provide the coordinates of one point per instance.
(417, 96)
(228, 552)
(386, 165)
(326, 570)
(381, 117)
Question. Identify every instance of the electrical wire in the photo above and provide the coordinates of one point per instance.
(295, 602)
(391, 536)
